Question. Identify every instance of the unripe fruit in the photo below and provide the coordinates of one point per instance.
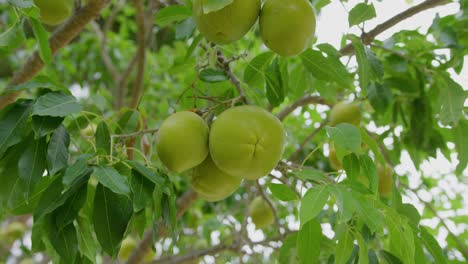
(287, 27)
(14, 231)
(182, 141)
(228, 24)
(345, 113)
(128, 245)
(211, 183)
(54, 12)
(333, 159)
(385, 179)
(89, 131)
(261, 213)
(247, 142)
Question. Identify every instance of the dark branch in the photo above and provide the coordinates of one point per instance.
(303, 101)
(368, 37)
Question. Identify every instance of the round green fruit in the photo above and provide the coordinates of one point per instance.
(287, 27)
(344, 112)
(126, 248)
(54, 12)
(385, 179)
(247, 142)
(182, 141)
(211, 183)
(89, 130)
(228, 24)
(261, 213)
(14, 231)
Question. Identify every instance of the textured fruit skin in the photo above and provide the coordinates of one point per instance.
(247, 142)
(54, 12)
(385, 179)
(344, 112)
(128, 245)
(287, 27)
(261, 213)
(182, 141)
(228, 24)
(211, 183)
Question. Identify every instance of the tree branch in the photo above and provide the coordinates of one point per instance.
(368, 37)
(195, 254)
(303, 101)
(103, 50)
(141, 54)
(227, 68)
(309, 138)
(59, 39)
(183, 203)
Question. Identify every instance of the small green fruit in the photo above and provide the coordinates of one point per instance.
(54, 12)
(14, 231)
(247, 142)
(385, 179)
(287, 26)
(228, 24)
(89, 130)
(182, 141)
(333, 159)
(345, 113)
(211, 183)
(128, 245)
(261, 213)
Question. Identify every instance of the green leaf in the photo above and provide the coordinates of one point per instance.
(77, 171)
(148, 173)
(311, 175)
(366, 210)
(400, 236)
(380, 97)
(410, 212)
(214, 5)
(42, 37)
(451, 100)
(345, 202)
(56, 104)
(461, 145)
(313, 202)
(344, 247)
(185, 29)
(113, 180)
(173, 13)
(39, 82)
(65, 241)
(360, 13)
(213, 75)
(288, 251)
(57, 151)
(274, 84)
(43, 125)
(390, 258)
(32, 163)
(326, 68)
(308, 242)
(370, 172)
(363, 252)
(432, 246)
(345, 136)
(12, 37)
(369, 141)
(13, 121)
(282, 192)
(351, 166)
(255, 70)
(112, 213)
(142, 190)
(103, 138)
(67, 213)
(129, 122)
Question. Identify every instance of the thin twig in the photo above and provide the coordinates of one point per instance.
(265, 197)
(136, 134)
(141, 54)
(307, 140)
(104, 53)
(59, 39)
(368, 37)
(232, 78)
(303, 101)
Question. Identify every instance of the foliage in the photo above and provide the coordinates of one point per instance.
(79, 158)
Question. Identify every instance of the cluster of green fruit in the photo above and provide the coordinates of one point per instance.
(244, 142)
(54, 12)
(351, 113)
(286, 27)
